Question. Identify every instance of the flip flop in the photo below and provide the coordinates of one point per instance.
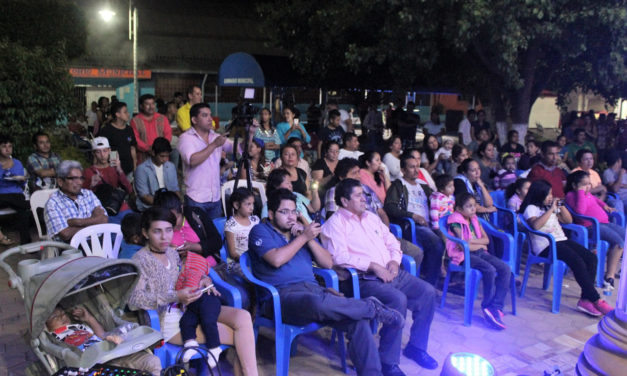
(6, 241)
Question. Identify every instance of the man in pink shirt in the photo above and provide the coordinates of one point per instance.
(357, 238)
(201, 150)
(148, 125)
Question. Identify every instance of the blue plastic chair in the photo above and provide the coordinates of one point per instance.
(473, 276)
(506, 219)
(286, 333)
(594, 236)
(219, 223)
(398, 232)
(167, 353)
(407, 262)
(553, 267)
(616, 217)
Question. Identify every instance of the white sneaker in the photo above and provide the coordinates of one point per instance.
(188, 354)
(216, 351)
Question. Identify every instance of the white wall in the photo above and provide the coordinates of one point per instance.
(93, 93)
(545, 112)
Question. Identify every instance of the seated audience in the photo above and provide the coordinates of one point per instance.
(42, 164)
(357, 238)
(541, 210)
(392, 158)
(332, 132)
(469, 181)
(291, 127)
(79, 328)
(429, 148)
(482, 124)
(372, 173)
(260, 167)
(434, 126)
(267, 133)
(484, 136)
(615, 176)
(442, 201)
(487, 163)
(516, 192)
(495, 274)
(323, 171)
(132, 233)
(12, 184)
(459, 154)
(159, 264)
(280, 178)
(349, 168)
(580, 199)
(282, 253)
(579, 143)
(447, 150)
(507, 175)
(530, 157)
(350, 147)
(301, 163)
(547, 169)
(512, 147)
(72, 208)
(424, 177)
(157, 172)
(407, 198)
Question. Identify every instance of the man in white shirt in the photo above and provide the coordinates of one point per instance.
(351, 147)
(346, 121)
(464, 127)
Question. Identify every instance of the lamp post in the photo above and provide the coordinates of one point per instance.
(107, 15)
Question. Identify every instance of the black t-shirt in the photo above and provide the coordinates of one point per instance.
(408, 122)
(328, 134)
(507, 148)
(121, 141)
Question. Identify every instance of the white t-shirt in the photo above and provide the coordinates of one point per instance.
(448, 153)
(552, 226)
(160, 179)
(241, 232)
(349, 154)
(417, 200)
(394, 166)
(464, 129)
(434, 128)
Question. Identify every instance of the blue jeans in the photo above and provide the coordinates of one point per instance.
(404, 292)
(213, 209)
(613, 234)
(495, 275)
(433, 248)
(617, 204)
(302, 303)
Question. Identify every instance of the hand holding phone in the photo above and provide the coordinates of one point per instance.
(204, 289)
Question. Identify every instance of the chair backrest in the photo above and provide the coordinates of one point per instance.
(7, 211)
(594, 234)
(227, 189)
(219, 223)
(38, 200)
(498, 198)
(102, 240)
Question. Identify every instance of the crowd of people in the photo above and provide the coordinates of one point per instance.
(332, 210)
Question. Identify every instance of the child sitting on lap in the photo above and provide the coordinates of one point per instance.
(87, 331)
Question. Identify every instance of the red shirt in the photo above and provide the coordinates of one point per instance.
(556, 177)
(194, 269)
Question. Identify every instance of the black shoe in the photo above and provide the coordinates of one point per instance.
(421, 357)
(493, 317)
(385, 315)
(608, 284)
(391, 370)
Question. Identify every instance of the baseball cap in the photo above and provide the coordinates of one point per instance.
(99, 143)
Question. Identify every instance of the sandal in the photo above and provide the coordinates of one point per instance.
(6, 241)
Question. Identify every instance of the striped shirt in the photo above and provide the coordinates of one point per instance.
(194, 268)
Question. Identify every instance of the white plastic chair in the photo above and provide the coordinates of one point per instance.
(102, 240)
(227, 189)
(38, 200)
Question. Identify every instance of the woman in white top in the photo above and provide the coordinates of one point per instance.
(544, 213)
(392, 158)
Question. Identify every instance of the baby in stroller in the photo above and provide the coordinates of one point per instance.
(85, 331)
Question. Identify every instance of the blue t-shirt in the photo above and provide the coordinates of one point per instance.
(6, 184)
(262, 238)
(128, 250)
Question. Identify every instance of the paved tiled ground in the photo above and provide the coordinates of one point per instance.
(535, 340)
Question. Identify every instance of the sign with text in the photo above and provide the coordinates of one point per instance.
(109, 73)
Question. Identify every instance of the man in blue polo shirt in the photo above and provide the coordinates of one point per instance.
(282, 252)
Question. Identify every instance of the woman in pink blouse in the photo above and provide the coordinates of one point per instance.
(373, 175)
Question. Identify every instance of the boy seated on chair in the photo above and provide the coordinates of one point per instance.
(85, 331)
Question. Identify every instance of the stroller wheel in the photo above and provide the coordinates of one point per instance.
(36, 369)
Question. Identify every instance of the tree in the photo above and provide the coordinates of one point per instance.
(506, 51)
(36, 89)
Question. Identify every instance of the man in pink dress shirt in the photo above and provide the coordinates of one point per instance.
(357, 238)
(201, 150)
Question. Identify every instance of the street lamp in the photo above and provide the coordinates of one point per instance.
(107, 15)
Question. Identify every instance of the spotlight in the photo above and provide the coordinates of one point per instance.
(106, 14)
(466, 364)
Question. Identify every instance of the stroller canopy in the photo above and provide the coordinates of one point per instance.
(115, 277)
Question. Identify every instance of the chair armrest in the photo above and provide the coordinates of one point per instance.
(412, 228)
(153, 316)
(396, 230)
(232, 294)
(578, 233)
(274, 293)
(461, 243)
(224, 254)
(618, 218)
(329, 276)
(510, 213)
(509, 249)
(409, 264)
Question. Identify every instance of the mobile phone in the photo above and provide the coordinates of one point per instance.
(317, 217)
(113, 157)
(296, 121)
(179, 247)
(205, 288)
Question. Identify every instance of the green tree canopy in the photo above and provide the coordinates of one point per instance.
(505, 51)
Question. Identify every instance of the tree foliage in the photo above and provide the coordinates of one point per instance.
(505, 51)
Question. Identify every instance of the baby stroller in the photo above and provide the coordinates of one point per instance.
(98, 284)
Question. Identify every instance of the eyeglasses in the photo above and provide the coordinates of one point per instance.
(288, 212)
(72, 178)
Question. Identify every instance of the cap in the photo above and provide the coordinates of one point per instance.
(99, 143)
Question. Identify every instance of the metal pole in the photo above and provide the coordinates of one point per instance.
(135, 85)
(216, 100)
(263, 102)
